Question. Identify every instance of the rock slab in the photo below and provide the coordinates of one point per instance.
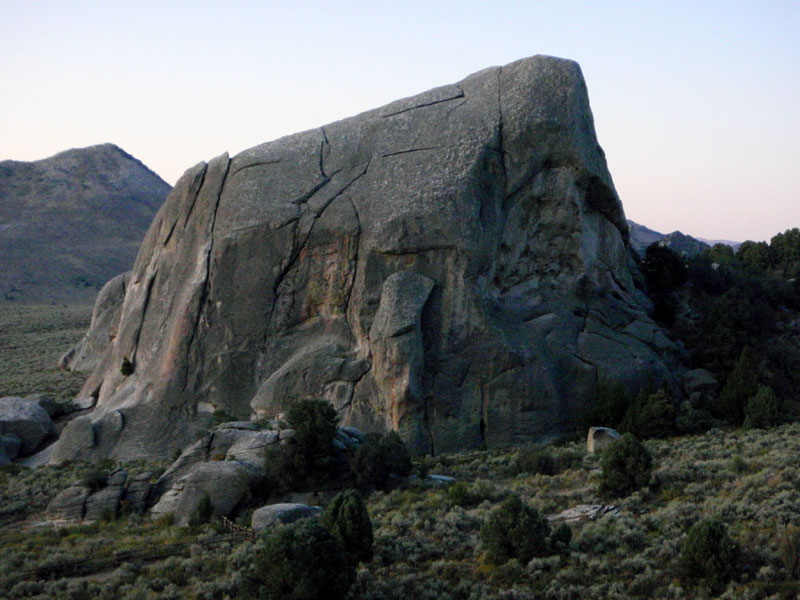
(453, 266)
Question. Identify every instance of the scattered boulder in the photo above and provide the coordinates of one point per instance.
(252, 449)
(106, 502)
(600, 437)
(76, 441)
(54, 409)
(10, 444)
(226, 483)
(69, 505)
(82, 403)
(699, 381)
(269, 515)
(286, 436)
(27, 420)
(441, 479)
(585, 512)
(481, 214)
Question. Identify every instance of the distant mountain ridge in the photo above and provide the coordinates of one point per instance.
(641, 237)
(70, 222)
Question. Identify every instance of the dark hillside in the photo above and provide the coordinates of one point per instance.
(70, 222)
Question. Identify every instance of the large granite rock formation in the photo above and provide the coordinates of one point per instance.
(452, 266)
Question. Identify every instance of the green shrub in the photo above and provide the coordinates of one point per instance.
(299, 561)
(310, 460)
(657, 417)
(709, 555)
(691, 420)
(127, 367)
(514, 530)
(378, 459)
(763, 410)
(202, 513)
(741, 385)
(535, 460)
(626, 466)
(95, 478)
(560, 538)
(611, 404)
(347, 519)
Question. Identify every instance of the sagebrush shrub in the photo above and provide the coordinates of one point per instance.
(790, 550)
(627, 466)
(535, 460)
(514, 530)
(347, 519)
(299, 561)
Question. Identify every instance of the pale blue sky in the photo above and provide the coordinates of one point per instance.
(697, 104)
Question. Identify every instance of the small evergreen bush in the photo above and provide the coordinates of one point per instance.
(127, 367)
(560, 538)
(692, 420)
(299, 561)
(627, 466)
(709, 555)
(379, 458)
(657, 417)
(763, 410)
(347, 519)
(310, 460)
(741, 385)
(611, 403)
(514, 530)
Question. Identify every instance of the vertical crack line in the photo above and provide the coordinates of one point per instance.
(191, 206)
(322, 144)
(355, 260)
(204, 292)
(149, 290)
(500, 130)
(194, 190)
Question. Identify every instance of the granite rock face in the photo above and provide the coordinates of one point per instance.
(453, 266)
(87, 353)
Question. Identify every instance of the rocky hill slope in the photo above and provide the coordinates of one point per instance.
(452, 266)
(641, 237)
(71, 222)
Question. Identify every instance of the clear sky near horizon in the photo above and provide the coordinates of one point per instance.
(696, 104)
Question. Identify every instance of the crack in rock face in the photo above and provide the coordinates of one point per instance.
(453, 266)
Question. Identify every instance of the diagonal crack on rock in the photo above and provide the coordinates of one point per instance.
(456, 96)
(387, 155)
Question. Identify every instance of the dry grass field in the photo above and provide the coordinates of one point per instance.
(32, 338)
